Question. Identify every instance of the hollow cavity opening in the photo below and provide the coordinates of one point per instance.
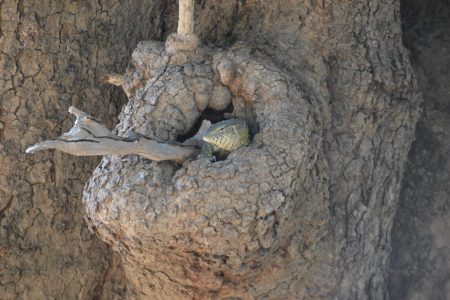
(211, 115)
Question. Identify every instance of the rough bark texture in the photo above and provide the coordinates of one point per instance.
(210, 229)
(420, 262)
(52, 56)
(307, 209)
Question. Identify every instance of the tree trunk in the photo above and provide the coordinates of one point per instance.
(52, 56)
(306, 210)
(420, 240)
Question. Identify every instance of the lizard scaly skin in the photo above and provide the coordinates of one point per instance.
(225, 136)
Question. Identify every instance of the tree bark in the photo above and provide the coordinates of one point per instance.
(306, 210)
(52, 56)
(420, 239)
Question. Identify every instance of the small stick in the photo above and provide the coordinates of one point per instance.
(185, 17)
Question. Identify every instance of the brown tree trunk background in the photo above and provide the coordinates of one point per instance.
(352, 102)
(52, 56)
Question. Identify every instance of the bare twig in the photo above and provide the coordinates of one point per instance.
(185, 17)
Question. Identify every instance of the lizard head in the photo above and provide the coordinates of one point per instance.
(226, 134)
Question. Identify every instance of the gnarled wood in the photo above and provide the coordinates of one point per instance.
(305, 211)
(89, 138)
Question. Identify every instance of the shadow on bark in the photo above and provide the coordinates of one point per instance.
(419, 267)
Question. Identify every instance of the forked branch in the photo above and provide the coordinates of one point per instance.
(89, 138)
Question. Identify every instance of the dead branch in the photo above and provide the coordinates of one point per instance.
(89, 138)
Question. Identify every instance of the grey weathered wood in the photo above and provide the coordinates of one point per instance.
(89, 138)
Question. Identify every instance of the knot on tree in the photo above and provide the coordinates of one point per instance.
(202, 228)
